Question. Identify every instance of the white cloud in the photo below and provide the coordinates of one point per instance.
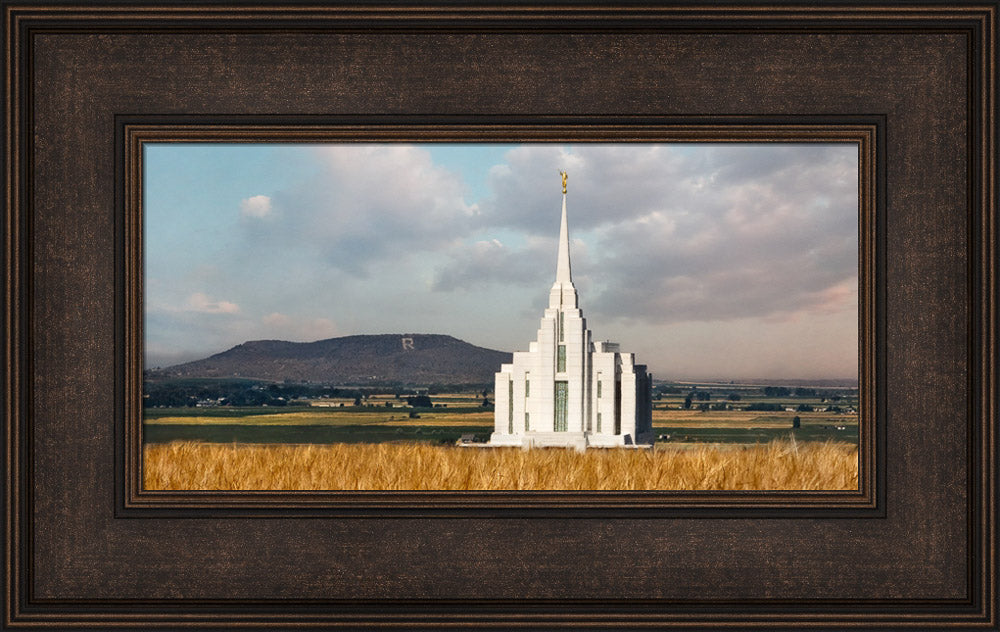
(367, 204)
(256, 206)
(200, 302)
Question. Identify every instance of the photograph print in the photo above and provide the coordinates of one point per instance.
(482, 316)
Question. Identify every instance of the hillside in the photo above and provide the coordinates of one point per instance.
(405, 358)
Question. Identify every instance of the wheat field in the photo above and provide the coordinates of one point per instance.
(781, 465)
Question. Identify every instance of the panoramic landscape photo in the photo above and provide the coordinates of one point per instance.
(500, 316)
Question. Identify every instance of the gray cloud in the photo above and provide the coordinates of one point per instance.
(607, 183)
(486, 263)
(727, 232)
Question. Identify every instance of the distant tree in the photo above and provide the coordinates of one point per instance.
(761, 406)
(776, 391)
(486, 401)
(703, 396)
(357, 400)
(388, 404)
(687, 402)
(703, 407)
(734, 397)
(796, 422)
(419, 401)
(253, 397)
(804, 408)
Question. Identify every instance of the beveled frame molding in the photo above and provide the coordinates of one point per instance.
(864, 132)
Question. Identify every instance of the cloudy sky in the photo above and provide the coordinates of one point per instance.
(707, 260)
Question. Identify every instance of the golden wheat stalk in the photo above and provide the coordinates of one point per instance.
(774, 466)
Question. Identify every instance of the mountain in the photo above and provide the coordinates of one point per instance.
(405, 358)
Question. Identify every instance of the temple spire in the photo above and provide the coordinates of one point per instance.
(563, 273)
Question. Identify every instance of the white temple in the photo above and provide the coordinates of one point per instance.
(567, 390)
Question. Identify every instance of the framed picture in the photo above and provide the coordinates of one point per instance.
(283, 283)
(370, 414)
(93, 92)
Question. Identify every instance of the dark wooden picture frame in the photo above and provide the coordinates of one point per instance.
(85, 546)
(135, 132)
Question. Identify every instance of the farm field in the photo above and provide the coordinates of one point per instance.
(683, 414)
(780, 465)
(377, 441)
(316, 425)
(440, 425)
(682, 426)
(303, 433)
(334, 417)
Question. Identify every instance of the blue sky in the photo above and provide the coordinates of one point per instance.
(709, 261)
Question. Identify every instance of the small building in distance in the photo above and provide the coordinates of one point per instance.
(567, 390)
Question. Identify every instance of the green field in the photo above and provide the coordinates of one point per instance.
(332, 413)
(312, 425)
(354, 433)
(755, 435)
(253, 433)
(386, 418)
